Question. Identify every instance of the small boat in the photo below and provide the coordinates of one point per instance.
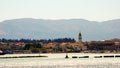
(84, 57)
(97, 56)
(66, 56)
(117, 56)
(74, 57)
(2, 53)
(109, 56)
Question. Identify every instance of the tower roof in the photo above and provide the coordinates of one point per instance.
(80, 34)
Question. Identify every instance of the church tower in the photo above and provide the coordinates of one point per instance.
(81, 43)
(80, 38)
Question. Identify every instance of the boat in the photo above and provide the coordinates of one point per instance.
(97, 56)
(66, 56)
(84, 57)
(109, 56)
(1, 52)
(117, 56)
(74, 57)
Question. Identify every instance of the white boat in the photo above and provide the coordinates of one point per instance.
(1, 52)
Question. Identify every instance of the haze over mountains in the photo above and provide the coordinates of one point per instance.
(29, 28)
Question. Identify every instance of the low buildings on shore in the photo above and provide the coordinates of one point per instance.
(106, 46)
(86, 47)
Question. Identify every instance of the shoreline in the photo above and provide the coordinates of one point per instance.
(21, 56)
(70, 55)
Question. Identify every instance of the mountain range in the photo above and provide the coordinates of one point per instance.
(30, 28)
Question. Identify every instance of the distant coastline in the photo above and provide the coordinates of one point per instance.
(107, 46)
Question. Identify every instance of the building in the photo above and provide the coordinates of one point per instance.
(81, 43)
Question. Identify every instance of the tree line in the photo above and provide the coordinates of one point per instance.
(58, 40)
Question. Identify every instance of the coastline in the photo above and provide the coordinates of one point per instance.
(21, 56)
(53, 55)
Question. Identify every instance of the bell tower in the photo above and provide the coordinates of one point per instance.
(80, 37)
(81, 43)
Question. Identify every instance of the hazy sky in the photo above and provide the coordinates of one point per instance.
(95, 10)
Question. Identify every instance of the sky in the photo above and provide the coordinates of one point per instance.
(93, 10)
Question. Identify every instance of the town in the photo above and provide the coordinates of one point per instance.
(63, 45)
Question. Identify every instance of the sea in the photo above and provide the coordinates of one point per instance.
(58, 60)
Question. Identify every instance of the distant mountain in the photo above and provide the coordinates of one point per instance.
(44, 29)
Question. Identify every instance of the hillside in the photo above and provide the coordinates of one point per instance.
(44, 29)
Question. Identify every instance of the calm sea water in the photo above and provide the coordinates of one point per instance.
(58, 61)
